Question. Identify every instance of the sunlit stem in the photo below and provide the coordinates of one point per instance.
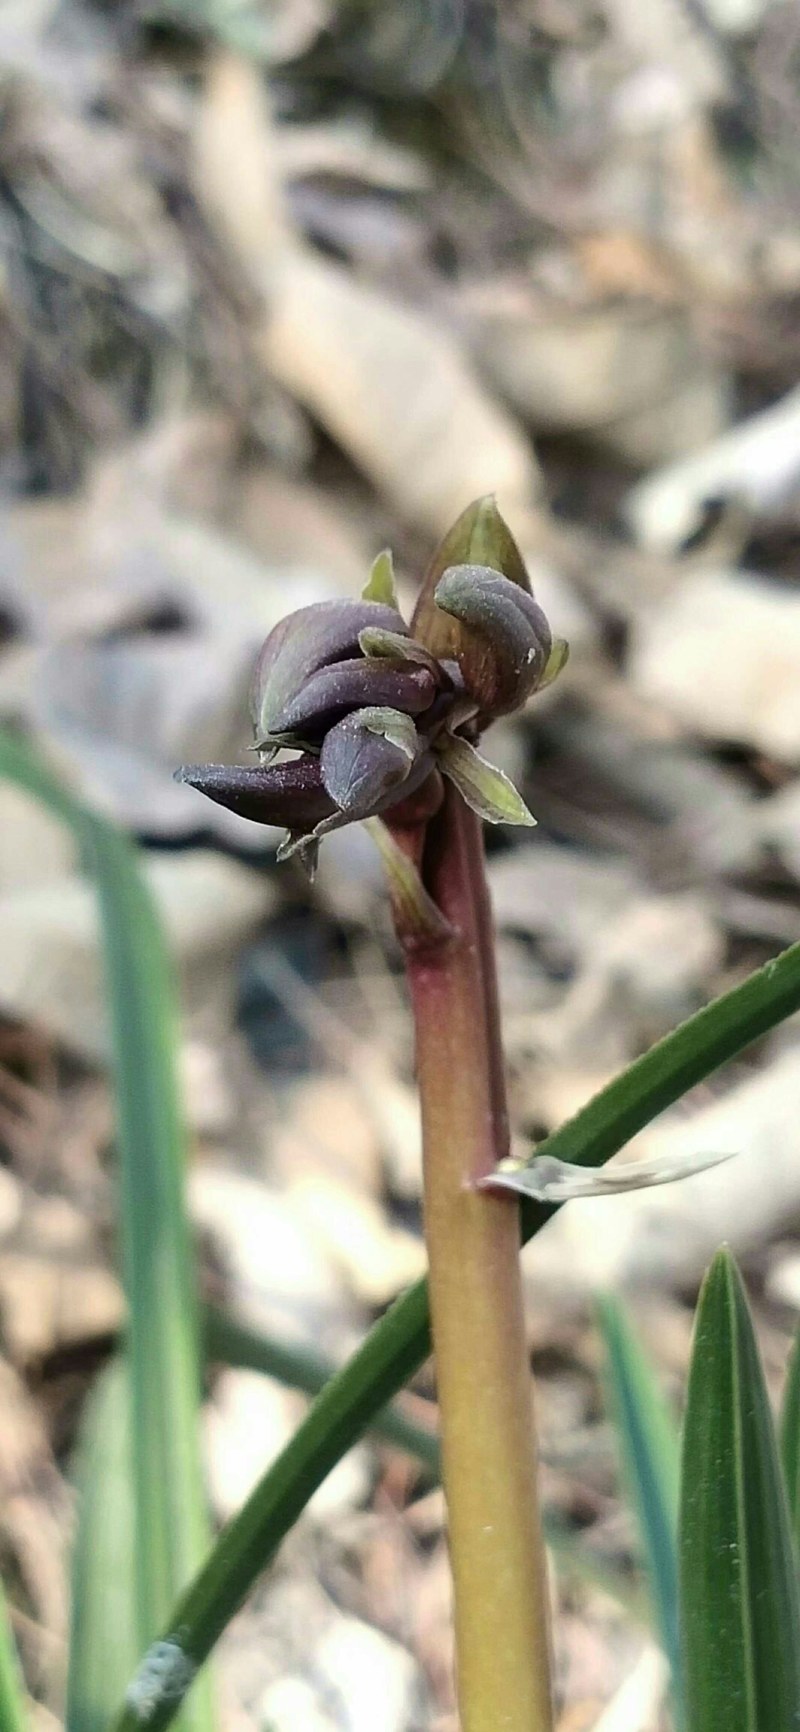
(482, 1368)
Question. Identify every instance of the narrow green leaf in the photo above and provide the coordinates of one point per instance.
(172, 1534)
(397, 1345)
(309, 1370)
(480, 536)
(790, 1436)
(104, 1640)
(650, 1446)
(13, 1713)
(487, 790)
(305, 1368)
(380, 585)
(740, 1615)
(678, 1062)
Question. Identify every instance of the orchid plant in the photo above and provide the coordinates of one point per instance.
(384, 722)
(360, 717)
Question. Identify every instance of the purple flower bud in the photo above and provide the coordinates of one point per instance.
(367, 760)
(312, 638)
(291, 795)
(504, 639)
(334, 690)
(480, 536)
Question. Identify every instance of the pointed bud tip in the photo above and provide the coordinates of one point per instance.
(479, 537)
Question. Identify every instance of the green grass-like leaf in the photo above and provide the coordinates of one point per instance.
(13, 1712)
(740, 1615)
(305, 1368)
(104, 1641)
(397, 1345)
(650, 1447)
(172, 1534)
(790, 1436)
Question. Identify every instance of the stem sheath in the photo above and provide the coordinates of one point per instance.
(483, 1374)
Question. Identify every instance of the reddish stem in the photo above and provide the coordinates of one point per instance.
(480, 1347)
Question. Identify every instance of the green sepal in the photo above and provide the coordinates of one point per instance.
(480, 536)
(385, 645)
(557, 659)
(417, 919)
(381, 585)
(485, 789)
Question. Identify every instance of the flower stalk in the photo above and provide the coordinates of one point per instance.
(482, 1369)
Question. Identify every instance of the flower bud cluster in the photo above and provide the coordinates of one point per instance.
(376, 715)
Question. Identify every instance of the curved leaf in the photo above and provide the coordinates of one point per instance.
(740, 1614)
(650, 1446)
(790, 1436)
(104, 1643)
(172, 1533)
(13, 1714)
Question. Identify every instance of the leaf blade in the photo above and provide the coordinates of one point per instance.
(172, 1533)
(104, 1641)
(650, 1448)
(790, 1436)
(13, 1712)
(740, 1612)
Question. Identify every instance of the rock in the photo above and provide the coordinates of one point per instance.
(294, 1705)
(685, 420)
(47, 1304)
(722, 655)
(554, 892)
(361, 1667)
(778, 820)
(209, 1104)
(756, 464)
(252, 1418)
(35, 847)
(52, 968)
(378, 1260)
(10, 1203)
(276, 1272)
(631, 374)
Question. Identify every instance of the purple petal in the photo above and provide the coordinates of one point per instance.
(291, 795)
(360, 766)
(309, 639)
(331, 692)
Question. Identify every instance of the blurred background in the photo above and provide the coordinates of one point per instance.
(283, 282)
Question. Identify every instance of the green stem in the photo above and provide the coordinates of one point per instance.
(478, 1323)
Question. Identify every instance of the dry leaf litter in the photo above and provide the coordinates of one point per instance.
(343, 268)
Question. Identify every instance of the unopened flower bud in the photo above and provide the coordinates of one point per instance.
(368, 759)
(504, 642)
(380, 716)
(333, 691)
(480, 536)
(310, 641)
(292, 795)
